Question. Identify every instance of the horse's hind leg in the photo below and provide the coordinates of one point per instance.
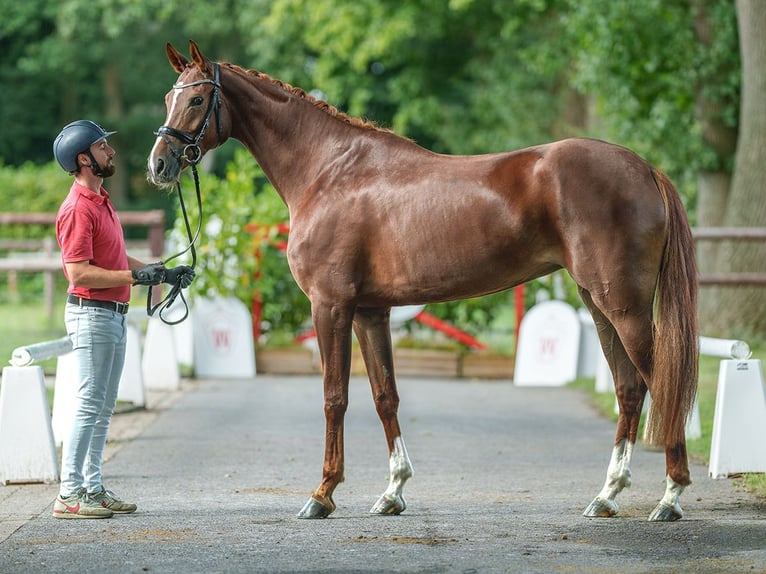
(372, 328)
(631, 390)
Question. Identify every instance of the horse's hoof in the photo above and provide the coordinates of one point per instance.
(666, 513)
(315, 509)
(601, 508)
(389, 505)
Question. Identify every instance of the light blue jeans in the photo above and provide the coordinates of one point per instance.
(98, 338)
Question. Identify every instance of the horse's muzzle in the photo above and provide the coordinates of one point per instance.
(162, 169)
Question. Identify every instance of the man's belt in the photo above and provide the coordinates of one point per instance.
(115, 306)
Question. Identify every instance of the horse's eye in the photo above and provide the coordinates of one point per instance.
(196, 101)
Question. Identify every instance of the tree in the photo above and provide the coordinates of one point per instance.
(741, 311)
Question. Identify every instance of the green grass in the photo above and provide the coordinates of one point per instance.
(699, 449)
(25, 323)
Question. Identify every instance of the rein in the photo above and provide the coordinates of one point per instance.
(192, 154)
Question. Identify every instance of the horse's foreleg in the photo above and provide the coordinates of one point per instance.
(372, 329)
(333, 328)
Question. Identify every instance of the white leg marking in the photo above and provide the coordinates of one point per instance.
(400, 469)
(673, 492)
(668, 509)
(617, 478)
(618, 474)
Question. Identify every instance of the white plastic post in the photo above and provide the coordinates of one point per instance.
(739, 423)
(693, 429)
(132, 381)
(160, 362)
(604, 379)
(64, 395)
(27, 451)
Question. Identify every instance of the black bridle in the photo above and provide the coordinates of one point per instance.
(192, 154)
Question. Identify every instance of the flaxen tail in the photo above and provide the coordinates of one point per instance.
(676, 351)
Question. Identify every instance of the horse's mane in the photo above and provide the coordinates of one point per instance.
(322, 105)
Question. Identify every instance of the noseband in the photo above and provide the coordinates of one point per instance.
(191, 152)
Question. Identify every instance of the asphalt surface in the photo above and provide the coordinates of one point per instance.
(220, 469)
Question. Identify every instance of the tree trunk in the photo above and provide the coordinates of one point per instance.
(118, 184)
(741, 311)
(714, 183)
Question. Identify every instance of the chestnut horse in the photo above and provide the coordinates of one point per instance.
(377, 221)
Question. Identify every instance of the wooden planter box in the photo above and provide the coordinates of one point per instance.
(487, 366)
(426, 362)
(287, 361)
(407, 362)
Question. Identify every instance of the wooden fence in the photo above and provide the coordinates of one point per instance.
(42, 255)
(732, 234)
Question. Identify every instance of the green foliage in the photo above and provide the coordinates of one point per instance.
(645, 69)
(32, 188)
(239, 214)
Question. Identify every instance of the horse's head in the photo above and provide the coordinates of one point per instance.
(194, 122)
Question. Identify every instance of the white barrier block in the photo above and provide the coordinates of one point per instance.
(27, 451)
(223, 339)
(590, 348)
(182, 332)
(604, 379)
(160, 362)
(549, 345)
(693, 429)
(131, 388)
(739, 423)
(64, 396)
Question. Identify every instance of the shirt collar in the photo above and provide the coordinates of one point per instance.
(90, 195)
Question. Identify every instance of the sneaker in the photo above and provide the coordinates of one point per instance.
(79, 505)
(110, 501)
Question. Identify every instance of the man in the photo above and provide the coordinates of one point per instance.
(100, 275)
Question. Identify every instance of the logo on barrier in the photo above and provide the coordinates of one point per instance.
(220, 335)
(548, 347)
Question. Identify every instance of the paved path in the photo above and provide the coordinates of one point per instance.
(501, 477)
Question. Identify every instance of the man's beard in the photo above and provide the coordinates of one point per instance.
(107, 170)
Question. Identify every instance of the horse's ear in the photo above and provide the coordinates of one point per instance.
(198, 58)
(177, 60)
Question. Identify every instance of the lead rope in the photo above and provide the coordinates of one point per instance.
(176, 290)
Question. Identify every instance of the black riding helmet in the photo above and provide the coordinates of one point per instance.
(74, 139)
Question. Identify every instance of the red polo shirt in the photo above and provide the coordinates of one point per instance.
(88, 229)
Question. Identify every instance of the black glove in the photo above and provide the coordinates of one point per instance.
(152, 274)
(182, 274)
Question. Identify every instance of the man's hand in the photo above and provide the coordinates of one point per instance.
(182, 274)
(152, 274)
